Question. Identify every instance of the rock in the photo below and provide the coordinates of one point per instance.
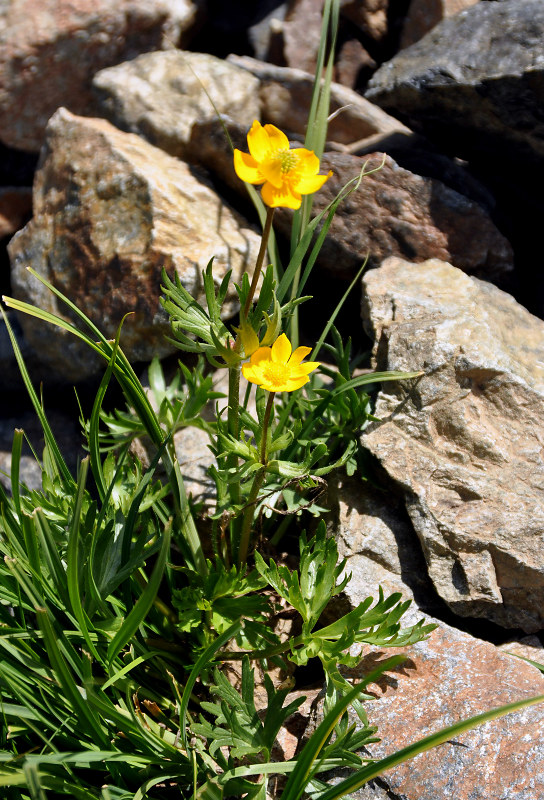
(301, 31)
(395, 212)
(448, 678)
(474, 84)
(111, 211)
(286, 96)
(352, 61)
(374, 532)
(423, 15)
(162, 95)
(15, 208)
(529, 647)
(369, 15)
(266, 36)
(50, 50)
(468, 462)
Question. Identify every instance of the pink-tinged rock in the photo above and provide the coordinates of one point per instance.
(50, 50)
(423, 15)
(110, 212)
(448, 678)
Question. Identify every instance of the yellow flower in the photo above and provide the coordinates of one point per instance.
(286, 174)
(276, 369)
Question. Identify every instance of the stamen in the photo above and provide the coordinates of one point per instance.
(288, 160)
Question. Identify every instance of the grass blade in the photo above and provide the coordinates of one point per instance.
(144, 602)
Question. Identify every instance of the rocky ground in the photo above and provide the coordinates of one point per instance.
(113, 165)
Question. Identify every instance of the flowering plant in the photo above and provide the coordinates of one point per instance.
(122, 604)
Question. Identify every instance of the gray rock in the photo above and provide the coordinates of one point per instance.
(465, 441)
(162, 95)
(423, 15)
(50, 50)
(474, 83)
(110, 212)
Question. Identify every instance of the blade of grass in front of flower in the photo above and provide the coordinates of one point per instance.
(316, 133)
(298, 779)
(144, 603)
(316, 128)
(204, 660)
(375, 769)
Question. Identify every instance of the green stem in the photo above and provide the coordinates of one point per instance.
(260, 260)
(256, 486)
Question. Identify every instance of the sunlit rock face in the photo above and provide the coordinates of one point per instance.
(464, 442)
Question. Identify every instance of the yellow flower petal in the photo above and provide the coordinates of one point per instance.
(272, 171)
(278, 140)
(262, 354)
(309, 366)
(283, 197)
(295, 383)
(308, 185)
(247, 168)
(281, 350)
(308, 162)
(300, 353)
(258, 141)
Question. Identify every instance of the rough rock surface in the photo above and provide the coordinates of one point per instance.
(161, 95)
(423, 15)
(474, 83)
(447, 678)
(286, 96)
(374, 532)
(110, 212)
(469, 462)
(395, 212)
(50, 50)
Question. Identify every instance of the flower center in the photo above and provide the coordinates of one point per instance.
(276, 374)
(287, 158)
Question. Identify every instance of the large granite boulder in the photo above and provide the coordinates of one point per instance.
(50, 50)
(474, 83)
(110, 212)
(162, 95)
(464, 442)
